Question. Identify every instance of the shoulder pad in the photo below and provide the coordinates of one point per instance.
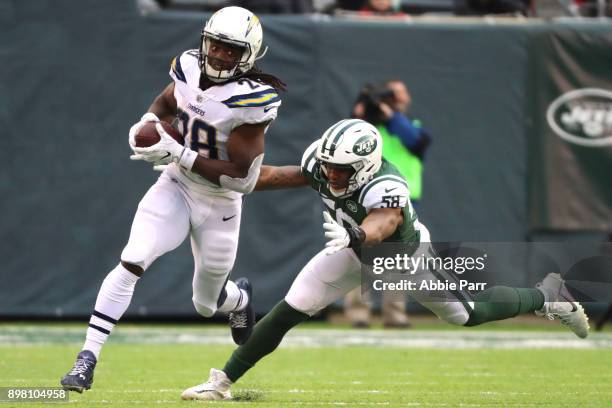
(387, 191)
(250, 104)
(184, 67)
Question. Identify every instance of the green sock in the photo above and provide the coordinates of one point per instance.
(502, 302)
(267, 335)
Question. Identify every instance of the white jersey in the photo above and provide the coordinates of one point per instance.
(206, 118)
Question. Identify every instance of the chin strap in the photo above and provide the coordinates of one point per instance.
(261, 55)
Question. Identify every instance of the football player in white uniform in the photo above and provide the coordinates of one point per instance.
(367, 203)
(223, 105)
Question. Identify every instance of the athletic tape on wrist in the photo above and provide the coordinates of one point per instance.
(356, 236)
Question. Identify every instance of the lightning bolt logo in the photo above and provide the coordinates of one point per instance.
(253, 21)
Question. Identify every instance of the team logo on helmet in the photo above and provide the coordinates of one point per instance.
(583, 117)
(364, 146)
(253, 21)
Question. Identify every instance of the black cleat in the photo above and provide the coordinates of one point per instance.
(242, 322)
(81, 376)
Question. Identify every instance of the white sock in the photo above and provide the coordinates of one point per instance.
(236, 299)
(113, 300)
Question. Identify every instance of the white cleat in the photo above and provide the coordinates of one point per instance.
(559, 304)
(217, 388)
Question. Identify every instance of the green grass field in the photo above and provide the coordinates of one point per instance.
(151, 365)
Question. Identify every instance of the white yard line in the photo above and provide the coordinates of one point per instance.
(32, 334)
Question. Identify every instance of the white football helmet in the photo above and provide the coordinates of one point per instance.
(354, 144)
(236, 26)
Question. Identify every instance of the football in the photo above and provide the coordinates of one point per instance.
(148, 136)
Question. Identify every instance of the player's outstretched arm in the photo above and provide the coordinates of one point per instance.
(378, 225)
(273, 177)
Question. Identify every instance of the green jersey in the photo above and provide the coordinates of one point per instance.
(386, 189)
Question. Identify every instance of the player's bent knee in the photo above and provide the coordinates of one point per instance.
(302, 307)
(135, 269)
(136, 255)
(304, 301)
(458, 319)
(451, 312)
(309, 295)
(205, 310)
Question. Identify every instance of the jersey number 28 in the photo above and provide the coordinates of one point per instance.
(203, 135)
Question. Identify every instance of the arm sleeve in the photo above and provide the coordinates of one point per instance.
(402, 127)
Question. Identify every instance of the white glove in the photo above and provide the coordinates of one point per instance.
(338, 236)
(165, 151)
(147, 117)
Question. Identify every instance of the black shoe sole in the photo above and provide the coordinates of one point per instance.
(75, 388)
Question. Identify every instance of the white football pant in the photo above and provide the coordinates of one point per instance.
(327, 278)
(175, 207)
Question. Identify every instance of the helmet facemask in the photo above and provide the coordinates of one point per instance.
(241, 66)
(353, 183)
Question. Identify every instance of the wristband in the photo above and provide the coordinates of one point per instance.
(187, 158)
(356, 236)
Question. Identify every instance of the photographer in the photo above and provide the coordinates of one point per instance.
(405, 143)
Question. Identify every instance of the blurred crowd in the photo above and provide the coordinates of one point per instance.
(399, 8)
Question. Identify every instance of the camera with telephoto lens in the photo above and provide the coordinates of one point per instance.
(371, 96)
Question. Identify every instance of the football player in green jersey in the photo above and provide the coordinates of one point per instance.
(367, 203)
